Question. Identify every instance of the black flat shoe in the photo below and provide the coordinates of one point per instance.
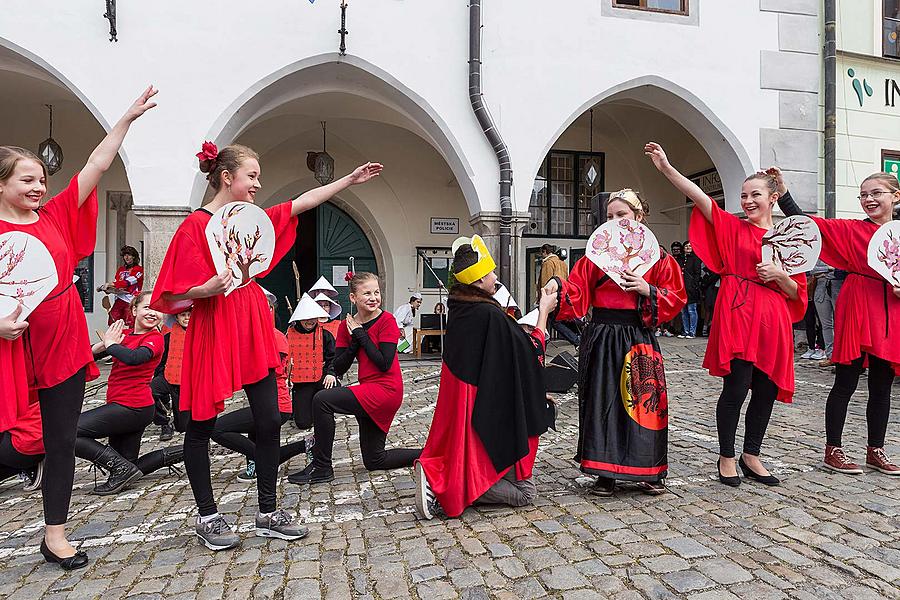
(751, 474)
(311, 475)
(729, 481)
(78, 561)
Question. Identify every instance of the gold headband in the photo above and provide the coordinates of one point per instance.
(629, 197)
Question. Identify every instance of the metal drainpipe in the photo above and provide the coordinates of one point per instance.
(493, 137)
(830, 107)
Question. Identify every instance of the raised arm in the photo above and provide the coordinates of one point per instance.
(317, 196)
(104, 154)
(681, 183)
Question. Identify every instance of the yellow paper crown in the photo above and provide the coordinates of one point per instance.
(485, 263)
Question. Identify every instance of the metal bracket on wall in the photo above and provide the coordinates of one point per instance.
(343, 30)
(110, 15)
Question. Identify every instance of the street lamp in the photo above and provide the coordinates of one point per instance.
(49, 151)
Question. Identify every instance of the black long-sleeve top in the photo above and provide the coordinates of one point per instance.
(382, 354)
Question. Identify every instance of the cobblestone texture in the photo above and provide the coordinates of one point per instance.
(818, 535)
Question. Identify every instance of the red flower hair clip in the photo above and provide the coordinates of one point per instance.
(208, 152)
(348, 276)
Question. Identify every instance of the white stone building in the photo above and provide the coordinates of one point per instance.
(725, 86)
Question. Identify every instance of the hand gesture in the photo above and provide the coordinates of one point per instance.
(776, 173)
(9, 329)
(547, 302)
(352, 324)
(115, 334)
(769, 271)
(657, 155)
(364, 173)
(329, 382)
(218, 283)
(552, 287)
(635, 283)
(142, 104)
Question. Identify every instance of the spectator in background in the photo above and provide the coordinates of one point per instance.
(691, 270)
(405, 315)
(709, 284)
(553, 266)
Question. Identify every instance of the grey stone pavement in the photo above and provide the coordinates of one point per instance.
(818, 535)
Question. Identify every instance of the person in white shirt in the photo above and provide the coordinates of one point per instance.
(405, 314)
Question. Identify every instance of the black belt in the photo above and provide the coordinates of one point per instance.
(743, 289)
(616, 316)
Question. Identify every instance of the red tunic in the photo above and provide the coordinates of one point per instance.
(752, 320)
(129, 385)
(175, 358)
(332, 327)
(305, 351)
(379, 393)
(230, 341)
(19, 416)
(867, 316)
(57, 344)
(284, 395)
(581, 291)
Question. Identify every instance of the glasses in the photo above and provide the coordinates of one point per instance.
(874, 195)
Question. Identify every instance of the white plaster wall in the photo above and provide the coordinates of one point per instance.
(543, 62)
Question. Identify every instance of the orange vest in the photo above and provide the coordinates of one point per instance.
(305, 355)
(172, 372)
(332, 327)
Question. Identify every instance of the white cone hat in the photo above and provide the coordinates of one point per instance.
(530, 319)
(322, 286)
(308, 309)
(335, 310)
(503, 296)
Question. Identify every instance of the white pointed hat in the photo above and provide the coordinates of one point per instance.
(307, 309)
(335, 310)
(503, 296)
(322, 286)
(530, 319)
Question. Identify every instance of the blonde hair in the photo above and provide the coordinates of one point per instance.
(770, 181)
(229, 159)
(360, 278)
(633, 199)
(10, 157)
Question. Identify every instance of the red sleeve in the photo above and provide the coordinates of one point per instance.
(281, 343)
(285, 232)
(139, 275)
(155, 342)
(667, 293)
(79, 222)
(838, 242)
(797, 308)
(186, 265)
(577, 291)
(343, 337)
(712, 241)
(540, 339)
(119, 281)
(388, 331)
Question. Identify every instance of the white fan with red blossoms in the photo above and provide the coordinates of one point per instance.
(622, 244)
(241, 238)
(27, 273)
(794, 244)
(884, 252)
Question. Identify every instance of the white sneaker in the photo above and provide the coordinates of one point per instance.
(808, 354)
(681, 336)
(819, 355)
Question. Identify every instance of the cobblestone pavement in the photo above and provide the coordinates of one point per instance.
(819, 535)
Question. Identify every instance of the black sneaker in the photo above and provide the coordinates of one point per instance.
(249, 472)
(166, 432)
(603, 487)
(311, 475)
(427, 505)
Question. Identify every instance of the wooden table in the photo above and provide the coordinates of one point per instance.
(418, 335)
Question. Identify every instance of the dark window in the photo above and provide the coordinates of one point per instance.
(561, 197)
(891, 29)
(679, 7)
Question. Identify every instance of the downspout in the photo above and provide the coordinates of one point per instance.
(830, 107)
(493, 137)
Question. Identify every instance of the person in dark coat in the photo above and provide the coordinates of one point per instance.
(691, 270)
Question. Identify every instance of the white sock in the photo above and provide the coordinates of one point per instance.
(209, 518)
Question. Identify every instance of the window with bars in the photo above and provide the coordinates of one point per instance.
(678, 7)
(561, 197)
(890, 27)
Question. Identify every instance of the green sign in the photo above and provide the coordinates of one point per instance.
(891, 165)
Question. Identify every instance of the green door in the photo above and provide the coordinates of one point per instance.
(338, 238)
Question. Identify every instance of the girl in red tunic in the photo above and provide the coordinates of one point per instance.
(369, 337)
(230, 342)
(751, 342)
(127, 284)
(623, 429)
(58, 357)
(866, 322)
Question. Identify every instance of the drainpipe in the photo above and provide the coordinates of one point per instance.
(830, 107)
(493, 137)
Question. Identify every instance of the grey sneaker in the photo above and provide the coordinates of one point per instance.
(216, 534)
(427, 505)
(280, 525)
(33, 478)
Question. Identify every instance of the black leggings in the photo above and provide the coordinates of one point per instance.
(13, 462)
(302, 400)
(60, 407)
(341, 400)
(123, 425)
(744, 377)
(878, 408)
(230, 428)
(263, 399)
(165, 398)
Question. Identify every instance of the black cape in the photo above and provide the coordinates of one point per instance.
(487, 349)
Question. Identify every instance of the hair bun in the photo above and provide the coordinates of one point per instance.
(208, 166)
